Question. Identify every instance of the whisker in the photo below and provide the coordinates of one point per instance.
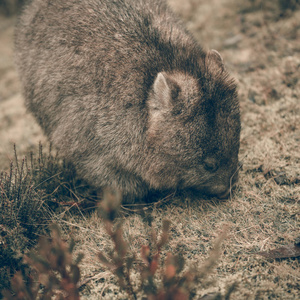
(240, 165)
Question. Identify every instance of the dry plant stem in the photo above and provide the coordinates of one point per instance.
(118, 265)
(147, 206)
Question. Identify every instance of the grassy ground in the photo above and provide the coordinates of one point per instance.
(259, 42)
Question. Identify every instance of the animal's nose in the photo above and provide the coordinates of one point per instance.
(223, 191)
(224, 195)
(220, 191)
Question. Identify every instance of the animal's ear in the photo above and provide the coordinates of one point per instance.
(164, 91)
(161, 99)
(161, 92)
(213, 57)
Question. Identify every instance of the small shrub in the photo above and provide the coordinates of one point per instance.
(53, 271)
(160, 279)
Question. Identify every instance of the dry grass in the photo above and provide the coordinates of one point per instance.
(255, 222)
(261, 48)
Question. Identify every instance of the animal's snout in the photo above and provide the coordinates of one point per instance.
(223, 190)
(220, 191)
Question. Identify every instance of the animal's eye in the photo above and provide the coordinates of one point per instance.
(210, 164)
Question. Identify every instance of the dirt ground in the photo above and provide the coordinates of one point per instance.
(16, 126)
(260, 44)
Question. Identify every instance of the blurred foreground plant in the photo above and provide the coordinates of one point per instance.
(160, 279)
(53, 271)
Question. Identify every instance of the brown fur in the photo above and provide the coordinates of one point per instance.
(126, 94)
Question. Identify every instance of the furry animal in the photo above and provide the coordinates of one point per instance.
(126, 94)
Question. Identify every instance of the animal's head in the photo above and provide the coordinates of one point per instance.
(194, 130)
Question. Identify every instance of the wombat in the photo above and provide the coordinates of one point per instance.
(126, 94)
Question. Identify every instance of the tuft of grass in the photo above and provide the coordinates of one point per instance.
(58, 179)
(22, 217)
(30, 191)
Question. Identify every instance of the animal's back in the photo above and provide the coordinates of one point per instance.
(100, 48)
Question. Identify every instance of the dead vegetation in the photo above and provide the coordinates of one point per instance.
(259, 41)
